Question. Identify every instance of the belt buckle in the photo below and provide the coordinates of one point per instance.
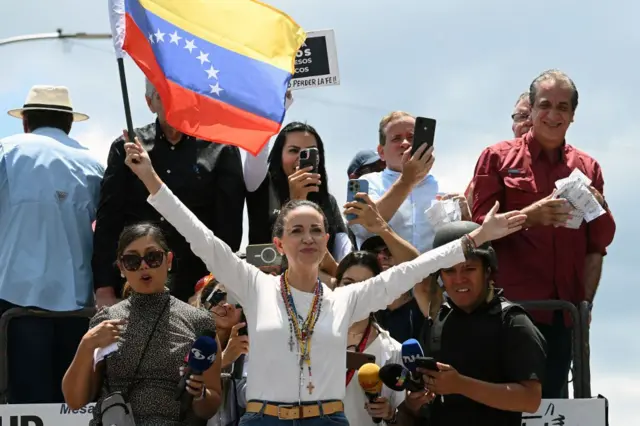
(286, 407)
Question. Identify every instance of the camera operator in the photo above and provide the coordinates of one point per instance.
(490, 355)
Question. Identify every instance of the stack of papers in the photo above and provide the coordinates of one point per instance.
(442, 212)
(575, 189)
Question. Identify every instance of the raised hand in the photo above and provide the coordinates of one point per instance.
(496, 226)
(140, 164)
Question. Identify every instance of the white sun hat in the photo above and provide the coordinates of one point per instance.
(49, 98)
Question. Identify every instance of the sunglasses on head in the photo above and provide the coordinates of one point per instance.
(215, 298)
(131, 262)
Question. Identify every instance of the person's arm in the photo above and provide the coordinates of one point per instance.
(207, 406)
(487, 185)
(600, 233)
(109, 222)
(524, 357)
(390, 201)
(255, 168)
(376, 293)
(400, 249)
(230, 195)
(239, 276)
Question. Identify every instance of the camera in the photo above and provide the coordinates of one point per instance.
(263, 255)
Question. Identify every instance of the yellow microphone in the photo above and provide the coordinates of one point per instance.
(369, 379)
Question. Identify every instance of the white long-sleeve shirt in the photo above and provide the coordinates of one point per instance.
(274, 373)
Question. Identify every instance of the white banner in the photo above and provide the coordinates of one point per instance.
(552, 412)
(568, 412)
(44, 415)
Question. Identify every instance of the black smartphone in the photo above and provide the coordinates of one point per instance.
(355, 360)
(310, 157)
(423, 133)
(427, 363)
(243, 331)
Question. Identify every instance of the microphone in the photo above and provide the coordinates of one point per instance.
(398, 378)
(369, 379)
(411, 350)
(200, 359)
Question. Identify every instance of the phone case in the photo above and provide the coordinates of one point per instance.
(310, 160)
(423, 133)
(353, 187)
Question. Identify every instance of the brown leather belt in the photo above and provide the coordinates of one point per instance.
(295, 412)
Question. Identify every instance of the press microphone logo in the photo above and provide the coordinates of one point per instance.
(197, 354)
(211, 358)
(408, 359)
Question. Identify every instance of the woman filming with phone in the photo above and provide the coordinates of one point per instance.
(298, 326)
(296, 171)
(231, 329)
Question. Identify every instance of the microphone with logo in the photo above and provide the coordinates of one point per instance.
(200, 359)
(411, 350)
(369, 379)
(398, 378)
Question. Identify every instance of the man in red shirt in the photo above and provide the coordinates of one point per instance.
(546, 260)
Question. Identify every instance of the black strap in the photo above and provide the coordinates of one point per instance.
(134, 382)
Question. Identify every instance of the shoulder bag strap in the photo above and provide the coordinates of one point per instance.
(134, 382)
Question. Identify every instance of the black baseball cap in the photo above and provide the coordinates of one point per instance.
(363, 158)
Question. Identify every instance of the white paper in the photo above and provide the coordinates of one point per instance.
(101, 353)
(442, 212)
(575, 189)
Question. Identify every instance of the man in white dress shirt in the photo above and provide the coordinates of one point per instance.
(405, 189)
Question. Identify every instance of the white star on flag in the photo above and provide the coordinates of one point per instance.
(151, 37)
(216, 89)
(204, 57)
(212, 72)
(159, 35)
(190, 45)
(175, 37)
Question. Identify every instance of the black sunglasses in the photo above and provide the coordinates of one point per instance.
(131, 262)
(213, 299)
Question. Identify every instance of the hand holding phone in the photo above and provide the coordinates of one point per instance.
(310, 157)
(355, 186)
(423, 133)
(427, 363)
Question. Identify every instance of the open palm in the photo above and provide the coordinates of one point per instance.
(496, 226)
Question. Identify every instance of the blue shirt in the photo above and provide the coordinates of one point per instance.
(49, 190)
(410, 222)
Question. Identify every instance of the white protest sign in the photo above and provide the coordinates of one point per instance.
(568, 412)
(44, 415)
(316, 62)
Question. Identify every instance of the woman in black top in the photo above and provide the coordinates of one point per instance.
(154, 331)
(284, 182)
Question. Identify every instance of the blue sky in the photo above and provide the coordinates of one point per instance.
(463, 63)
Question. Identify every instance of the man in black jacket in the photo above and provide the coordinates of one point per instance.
(207, 177)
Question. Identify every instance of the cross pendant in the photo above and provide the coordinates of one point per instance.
(310, 387)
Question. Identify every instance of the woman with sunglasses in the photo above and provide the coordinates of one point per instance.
(298, 326)
(154, 332)
(231, 327)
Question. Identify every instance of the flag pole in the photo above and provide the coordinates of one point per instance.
(125, 97)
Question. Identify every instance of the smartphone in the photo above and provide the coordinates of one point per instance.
(310, 157)
(427, 363)
(355, 360)
(353, 187)
(263, 255)
(243, 331)
(423, 133)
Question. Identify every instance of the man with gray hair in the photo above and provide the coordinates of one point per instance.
(206, 176)
(547, 260)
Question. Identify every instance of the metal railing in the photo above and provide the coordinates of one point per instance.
(580, 337)
(18, 312)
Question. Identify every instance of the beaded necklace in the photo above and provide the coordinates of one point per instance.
(301, 329)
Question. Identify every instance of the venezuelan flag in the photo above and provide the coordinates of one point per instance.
(221, 67)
